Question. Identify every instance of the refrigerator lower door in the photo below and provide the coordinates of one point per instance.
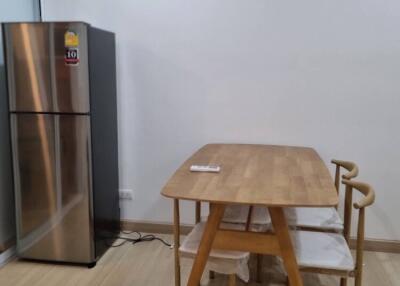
(53, 187)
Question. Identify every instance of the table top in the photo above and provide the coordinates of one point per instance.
(269, 175)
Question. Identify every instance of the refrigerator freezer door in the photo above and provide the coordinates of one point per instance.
(70, 79)
(40, 76)
(53, 187)
(28, 67)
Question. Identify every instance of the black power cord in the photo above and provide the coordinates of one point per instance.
(138, 239)
(40, 11)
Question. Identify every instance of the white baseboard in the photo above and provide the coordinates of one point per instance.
(7, 256)
(157, 227)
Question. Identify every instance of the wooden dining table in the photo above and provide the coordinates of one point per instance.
(260, 175)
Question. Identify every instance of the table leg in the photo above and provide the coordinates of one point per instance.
(177, 243)
(211, 273)
(287, 250)
(212, 225)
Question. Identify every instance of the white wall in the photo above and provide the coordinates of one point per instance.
(318, 73)
(10, 10)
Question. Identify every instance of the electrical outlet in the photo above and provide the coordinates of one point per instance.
(126, 194)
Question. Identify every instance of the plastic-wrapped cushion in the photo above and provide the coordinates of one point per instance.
(221, 261)
(322, 250)
(322, 218)
(239, 213)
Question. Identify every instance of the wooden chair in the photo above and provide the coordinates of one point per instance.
(322, 219)
(254, 218)
(231, 263)
(329, 253)
(317, 219)
(227, 262)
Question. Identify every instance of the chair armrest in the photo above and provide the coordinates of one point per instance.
(349, 166)
(365, 189)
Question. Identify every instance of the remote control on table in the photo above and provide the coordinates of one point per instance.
(205, 168)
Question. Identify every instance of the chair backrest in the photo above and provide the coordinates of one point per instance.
(367, 200)
(352, 169)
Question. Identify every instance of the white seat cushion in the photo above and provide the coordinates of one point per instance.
(239, 213)
(221, 261)
(322, 250)
(322, 218)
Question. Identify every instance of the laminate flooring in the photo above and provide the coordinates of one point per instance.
(151, 263)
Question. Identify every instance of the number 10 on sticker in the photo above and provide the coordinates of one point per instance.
(71, 56)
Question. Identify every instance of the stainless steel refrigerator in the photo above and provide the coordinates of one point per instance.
(63, 117)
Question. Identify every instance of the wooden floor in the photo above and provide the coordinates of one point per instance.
(151, 263)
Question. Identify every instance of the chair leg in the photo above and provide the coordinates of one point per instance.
(358, 278)
(232, 280)
(212, 274)
(343, 281)
(360, 247)
(259, 260)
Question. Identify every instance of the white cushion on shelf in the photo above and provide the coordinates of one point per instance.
(239, 213)
(322, 250)
(221, 261)
(323, 218)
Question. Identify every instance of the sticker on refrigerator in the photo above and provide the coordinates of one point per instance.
(71, 39)
(71, 57)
